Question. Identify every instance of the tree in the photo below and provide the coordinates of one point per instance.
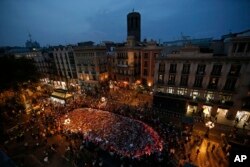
(14, 72)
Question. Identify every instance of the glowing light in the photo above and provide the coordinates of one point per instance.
(149, 84)
(103, 99)
(210, 124)
(66, 121)
(138, 82)
(87, 77)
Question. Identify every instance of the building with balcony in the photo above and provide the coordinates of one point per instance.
(46, 66)
(193, 81)
(149, 52)
(64, 59)
(91, 63)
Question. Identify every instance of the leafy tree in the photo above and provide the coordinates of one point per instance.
(14, 72)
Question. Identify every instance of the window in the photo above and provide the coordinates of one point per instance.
(145, 63)
(160, 79)
(181, 91)
(235, 70)
(162, 67)
(198, 81)
(172, 68)
(194, 94)
(184, 80)
(201, 69)
(145, 55)
(225, 98)
(209, 96)
(171, 80)
(135, 55)
(234, 47)
(170, 90)
(216, 69)
(145, 72)
(155, 55)
(241, 47)
(186, 68)
(213, 82)
(230, 84)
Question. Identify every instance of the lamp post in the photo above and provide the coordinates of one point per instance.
(209, 126)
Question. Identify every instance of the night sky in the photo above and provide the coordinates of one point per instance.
(53, 22)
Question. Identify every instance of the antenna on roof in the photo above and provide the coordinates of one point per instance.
(133, 10)
(30, 36)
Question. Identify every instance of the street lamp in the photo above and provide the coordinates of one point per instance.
(209, 126)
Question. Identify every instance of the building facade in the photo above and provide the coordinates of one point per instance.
(64, 59)
(46, 66)
(206, 83)
(149, 53)
(91, 64)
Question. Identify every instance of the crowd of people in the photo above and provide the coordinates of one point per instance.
(129, 125)
(123, 135)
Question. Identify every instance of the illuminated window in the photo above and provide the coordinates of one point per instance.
(182, 91)
(209, 96)
(170, 90)
(194, 94)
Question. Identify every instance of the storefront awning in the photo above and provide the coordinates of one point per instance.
(61, 95)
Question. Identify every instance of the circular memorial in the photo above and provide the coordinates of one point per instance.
(125, 136)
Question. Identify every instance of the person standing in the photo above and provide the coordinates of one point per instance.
(197, 152)
(244, 125)
(213, 147)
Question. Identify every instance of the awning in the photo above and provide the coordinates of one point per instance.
(61, 95)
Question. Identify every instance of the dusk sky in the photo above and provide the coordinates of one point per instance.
(53, 22)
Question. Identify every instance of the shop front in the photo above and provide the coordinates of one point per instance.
(243, 117)
(223, 116)
(207, 111)
(192, 108)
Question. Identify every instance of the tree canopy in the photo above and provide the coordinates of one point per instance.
(16, 71)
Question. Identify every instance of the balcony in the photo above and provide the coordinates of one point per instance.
(197, 86)
(174, 96)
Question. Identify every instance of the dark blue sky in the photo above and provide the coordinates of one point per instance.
(53, 22)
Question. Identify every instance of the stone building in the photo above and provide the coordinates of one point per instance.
(212, 82)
